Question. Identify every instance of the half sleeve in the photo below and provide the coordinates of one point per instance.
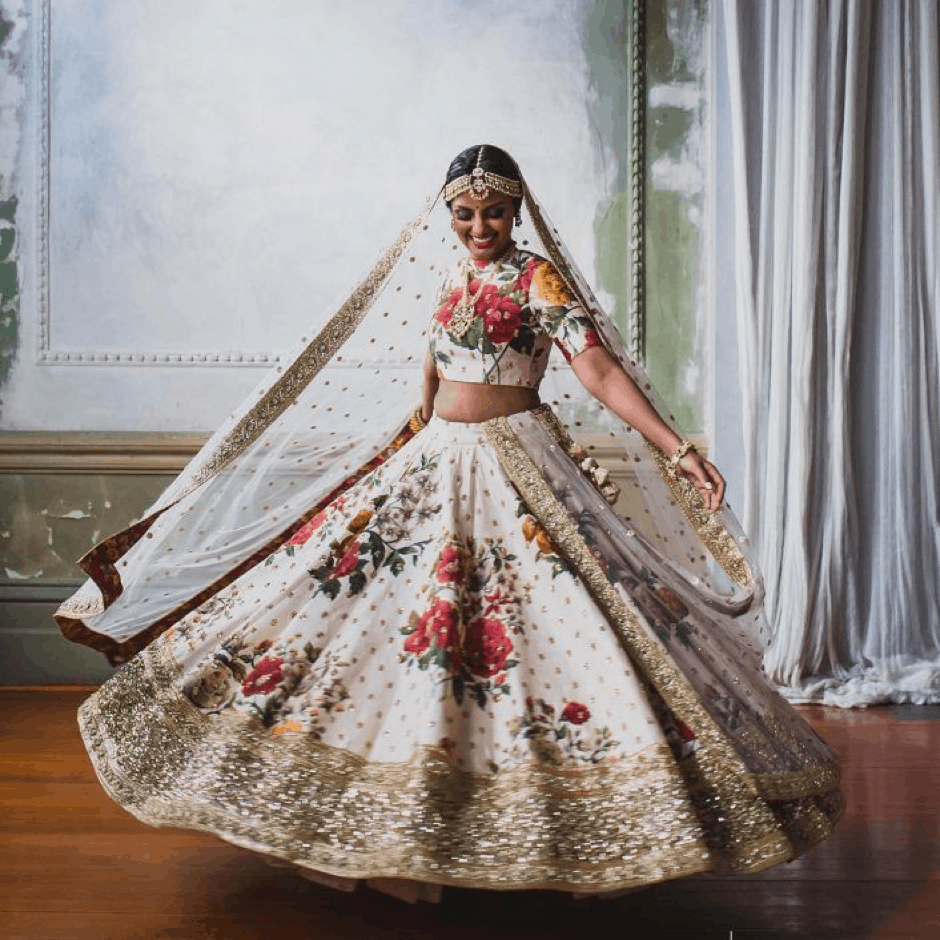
(559, 314)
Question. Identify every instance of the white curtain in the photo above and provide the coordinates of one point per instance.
(835, 110)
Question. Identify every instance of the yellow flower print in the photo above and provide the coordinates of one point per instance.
(360, 522)
(287, 727)
(531, 529)
(551, 286)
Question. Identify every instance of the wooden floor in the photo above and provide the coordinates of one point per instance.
(74, 865)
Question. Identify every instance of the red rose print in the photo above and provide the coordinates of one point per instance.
(446, 310)
(486, 647)
(502, 321)
(672, 602)
(440, 622)
(450, 566)
(348, 561)
(473, 286)
(591, 339)
(486, 299)
(418, 642)
(307, 529)
(264, 677)
(524, 282)
(576, 713)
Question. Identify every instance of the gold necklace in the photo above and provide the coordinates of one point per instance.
(464, 313)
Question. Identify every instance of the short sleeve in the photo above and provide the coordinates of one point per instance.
(559, 314)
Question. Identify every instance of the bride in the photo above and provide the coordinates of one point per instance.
(429, 651)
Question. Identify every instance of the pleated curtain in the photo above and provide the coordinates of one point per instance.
(835, 131)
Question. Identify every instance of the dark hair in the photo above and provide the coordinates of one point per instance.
(494, 161)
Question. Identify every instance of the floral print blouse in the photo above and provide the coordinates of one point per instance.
(517, 307)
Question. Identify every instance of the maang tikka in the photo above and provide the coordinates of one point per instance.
(478, 182)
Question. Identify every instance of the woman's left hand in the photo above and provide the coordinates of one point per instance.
(705, 478)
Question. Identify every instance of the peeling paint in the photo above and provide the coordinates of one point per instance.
(74, 514)
(607, 41)
(19, 576)
(674, 202)
(9, 288)
(42, 531)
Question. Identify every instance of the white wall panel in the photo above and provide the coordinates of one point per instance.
(201, 179)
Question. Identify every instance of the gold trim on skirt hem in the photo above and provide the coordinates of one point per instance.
(527, 826)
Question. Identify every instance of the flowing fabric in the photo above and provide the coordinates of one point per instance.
(442, 655)
(836, 153)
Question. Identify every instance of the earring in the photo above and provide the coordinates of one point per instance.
(452, 225)
(518, 218)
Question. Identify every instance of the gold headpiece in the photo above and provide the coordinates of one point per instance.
(479, 182)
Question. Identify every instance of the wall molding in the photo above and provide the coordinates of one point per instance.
(638, 177)
(46, 354)
(157, 453)
(97, 452)
(43, 592)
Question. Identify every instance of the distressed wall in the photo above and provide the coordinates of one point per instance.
(12, 35)
(675, 204)
(200, 181)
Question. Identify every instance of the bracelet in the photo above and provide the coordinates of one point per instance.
(685, 446)
(416, 422)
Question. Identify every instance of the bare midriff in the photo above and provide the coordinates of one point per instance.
(473, 401)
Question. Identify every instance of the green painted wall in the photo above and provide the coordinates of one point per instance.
(9, 289)
(9, 276)
(674, 184)
(48, 520)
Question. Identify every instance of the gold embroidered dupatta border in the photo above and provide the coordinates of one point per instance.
(738, 792)
(100, 563)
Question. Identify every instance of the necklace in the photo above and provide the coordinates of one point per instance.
(464, 313)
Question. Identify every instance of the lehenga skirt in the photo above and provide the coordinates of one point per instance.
(437, 679)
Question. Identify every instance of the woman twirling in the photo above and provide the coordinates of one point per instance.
(429, 652)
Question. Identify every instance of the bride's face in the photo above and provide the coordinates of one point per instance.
(483, 225)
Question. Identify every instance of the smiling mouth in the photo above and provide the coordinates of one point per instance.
(483, 242)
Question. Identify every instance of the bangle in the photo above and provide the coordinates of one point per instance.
(416, 422)
(685, 446)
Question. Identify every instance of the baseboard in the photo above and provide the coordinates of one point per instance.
(34, 652)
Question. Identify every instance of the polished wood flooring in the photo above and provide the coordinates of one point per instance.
(74, 865)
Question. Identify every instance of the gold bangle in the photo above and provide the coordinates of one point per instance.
(416, 422)
(685, 446)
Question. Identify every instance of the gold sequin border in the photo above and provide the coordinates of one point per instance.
(528, 826)
(712, 533)
(720, 543)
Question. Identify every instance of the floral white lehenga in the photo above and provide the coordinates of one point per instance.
(458, 665)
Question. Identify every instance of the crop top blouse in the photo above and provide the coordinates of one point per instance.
(502, 333)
